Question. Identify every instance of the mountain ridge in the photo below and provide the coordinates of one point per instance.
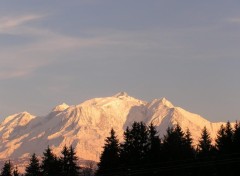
(86, 125)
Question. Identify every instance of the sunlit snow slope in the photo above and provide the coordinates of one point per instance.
(86, 125)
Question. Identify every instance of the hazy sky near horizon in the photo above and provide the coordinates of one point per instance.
(70, 51)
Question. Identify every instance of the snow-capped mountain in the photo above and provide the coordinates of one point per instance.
(86, 125)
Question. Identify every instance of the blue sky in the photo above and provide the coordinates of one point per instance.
(70, 51)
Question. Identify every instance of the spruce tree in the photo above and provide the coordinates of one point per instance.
(7, 169)
(205, 153)
(154, 144)
(188, 148)
(224, 141)
(204, 144)
(64, 159)
(224, 144)
(220, 140)
(174, 144)
(109, 159)
(236, 137)
(229, 137)
(125, 147)
(236, 149)
(74, 169)
(50, 164)
(135, 148)
(33, 168)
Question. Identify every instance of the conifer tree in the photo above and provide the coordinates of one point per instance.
(224, 141)
(7, 169)
(74, 169)
(204, 144)
(125, 148)
(236, 137)
(33, 168)
(109, 159)
(64, 159)
(154, 144)
(229, 137)
(188, 148)
(224, 144)
(220, 140)
(50, 164)
(135, 148)
(174, 143)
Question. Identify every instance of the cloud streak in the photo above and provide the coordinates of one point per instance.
(8, 23)
(47, 46)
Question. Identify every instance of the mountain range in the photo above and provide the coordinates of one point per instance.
(85, 126)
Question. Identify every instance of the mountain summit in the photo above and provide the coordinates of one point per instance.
(61, 107)
(85, 126)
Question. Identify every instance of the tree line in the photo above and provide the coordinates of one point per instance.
(143, 153)
(50, 165)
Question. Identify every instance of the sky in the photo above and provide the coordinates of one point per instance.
(71, 51)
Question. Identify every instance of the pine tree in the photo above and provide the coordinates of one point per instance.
(74, 169)
(188, 148)
(224, 144)
(64, 159)
(204, 145)
(224, 141)
(33, 168)
(109, 159)
(229, 137)
(125, 148)
(50, 164)
(177, 148)
(236, 148)
(7, 169)
(154, 144)
(174, 143)
(135, 148)
(220, 141)
(236, 137)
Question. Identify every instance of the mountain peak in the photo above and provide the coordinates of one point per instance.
(161, 102)
(60, 107)
(165, 102)
(121, 94)
(85, 126)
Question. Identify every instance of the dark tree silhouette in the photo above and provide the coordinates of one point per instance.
(50, 164)
(174, 144)
(74, 169)
(7, 169)
(236, 137)
(204, 144)
(224, 141)
(64, 160)
(136, 145)
(188, 148)
(154, 145)
(220, 140)
(205, 153)
(33, 168)
(109, 159)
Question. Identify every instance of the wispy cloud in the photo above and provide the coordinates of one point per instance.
(8, 23)
(47, 46)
